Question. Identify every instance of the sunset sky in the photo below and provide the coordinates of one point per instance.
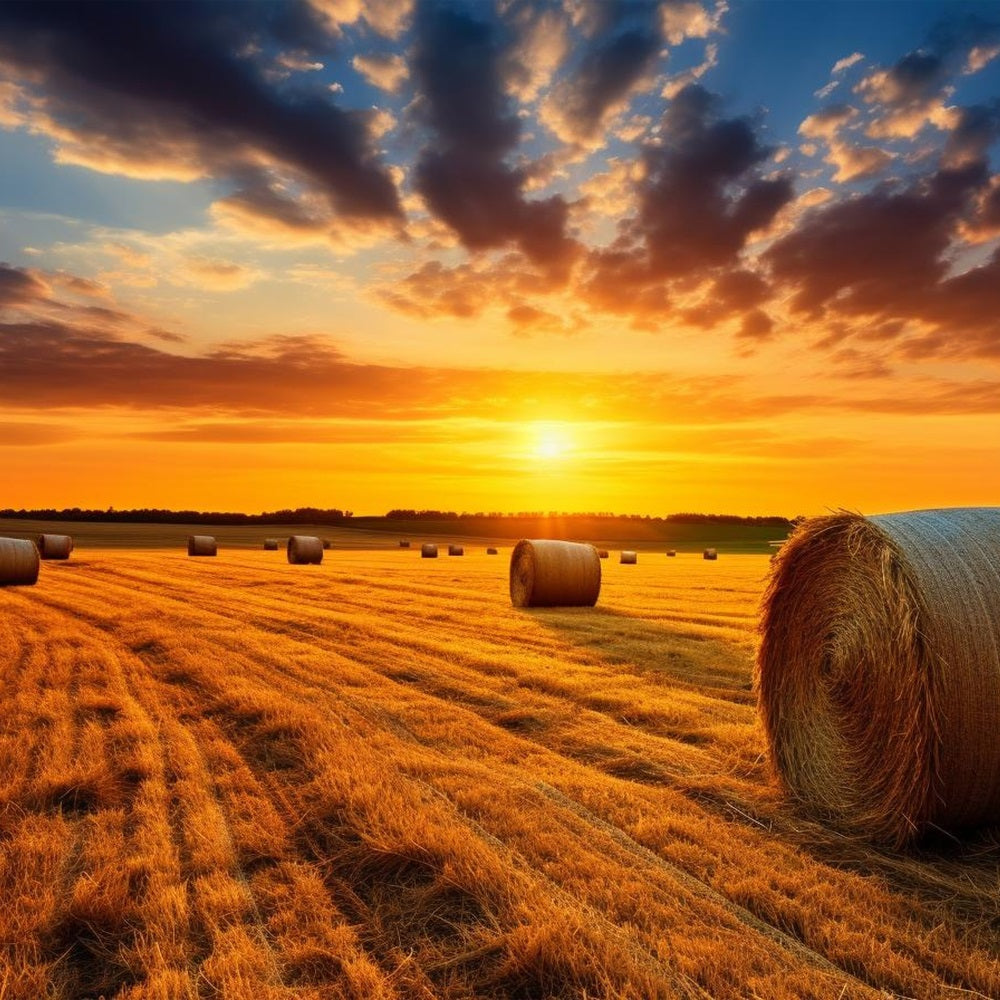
(640, 257)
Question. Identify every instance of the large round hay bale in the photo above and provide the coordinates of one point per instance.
(878, 674)
(629, 557)
(55, 546)
(491, 551)
(271, 544)
(201, 545)
(428, 551)
(18, 562)
(602, 553)
(305, 549)
(671, 552)
(327, 543)
(404, 545)
(546, 573)
(456, 550)
(710, 554)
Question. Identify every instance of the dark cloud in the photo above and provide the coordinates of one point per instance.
(883, 252)
(463, 175)
(158, 87)
(18, 286)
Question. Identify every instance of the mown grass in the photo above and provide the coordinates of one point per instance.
(375, 778)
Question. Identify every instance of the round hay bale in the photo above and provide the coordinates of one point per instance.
(546, 573)
(271, 544)
(671, 552)
(201, 545)
(628, 557)
(878, 674)
(18, 562)
(305, 549)
(428, 551)
(491, 552)
(456, 550)
(710, 554)
(55, 546)
(327, 544)
(602, 553)
(404, 545)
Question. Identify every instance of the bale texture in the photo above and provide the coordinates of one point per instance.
(629, 557)
(602, 553)
(404, 545)
(710, 554)
(491, 552)
(456, 550)
(55, 546)
(547, 574)
(201, 545)
(305, 549)
(271, 544)
(878, 674)
(428, 551)
(18, 562)
(671, 552)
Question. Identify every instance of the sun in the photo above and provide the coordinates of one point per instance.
(551, 441)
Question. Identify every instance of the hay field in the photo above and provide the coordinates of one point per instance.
(374, 778)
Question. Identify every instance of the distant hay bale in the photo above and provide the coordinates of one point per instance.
(878, 674)
(305, 549)
(546, 573)
(671, 552)
(271, 544)
(456, 550)
(55, 546)
(18, 562)
(602, 553)
(428, 551)
(327, 544)
(710, 554)
(629, 557)
(491, 552)
(404, 545)
(201, 545)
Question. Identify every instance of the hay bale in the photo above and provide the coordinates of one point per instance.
(602, 553)
(671, 552)
(428, 551)
(327, 544)
(710, 554)
(491, 552)
(305, 549)
(271, 544)
(629, 557)
(55, 546)
(404, 545)
(456, 550)
(202, 545)
(546, 573)
(18, 562)
(878, 674)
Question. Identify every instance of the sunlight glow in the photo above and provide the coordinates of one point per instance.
(551, 441)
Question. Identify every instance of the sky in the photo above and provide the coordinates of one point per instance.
(641, 257)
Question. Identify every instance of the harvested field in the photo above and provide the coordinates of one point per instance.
(375, 778)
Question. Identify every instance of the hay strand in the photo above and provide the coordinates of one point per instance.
(428, 551)
(628, 557)
(305, 549)
(201, 545)
(55, 546)
(710, 554)
(271, 544)
(18, 562)
(456, 550)
(878, 674)
(546, 573)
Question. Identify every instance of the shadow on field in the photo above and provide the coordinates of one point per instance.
(669, 654)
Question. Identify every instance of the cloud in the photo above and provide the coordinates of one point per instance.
(30, 434)
(676, 84)
(19, 286)
(387, 71)
(846, 63)
(682, 19)
(827, 122)
(540, 46)
(219, 275)
(192, 98)
(463, 175)
(856, 162)
(387, 17)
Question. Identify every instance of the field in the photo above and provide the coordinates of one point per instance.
(375, 778)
